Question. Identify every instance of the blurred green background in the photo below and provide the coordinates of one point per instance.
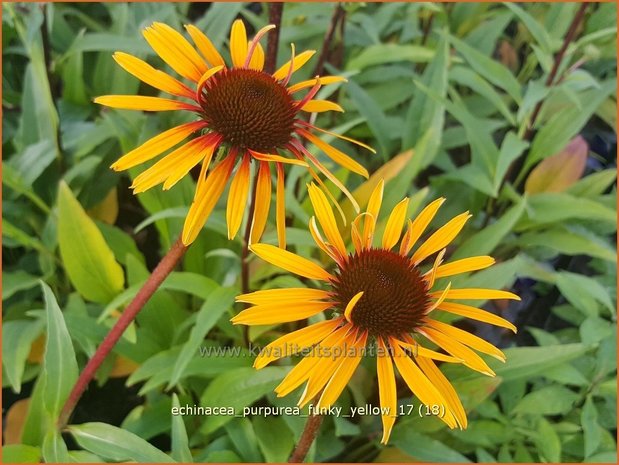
(456, 100)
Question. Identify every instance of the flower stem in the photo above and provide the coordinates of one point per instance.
(163, 269)
(307, 438)
(275, 18)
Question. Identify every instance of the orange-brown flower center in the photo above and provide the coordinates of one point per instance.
(249, 108)
(395, 296)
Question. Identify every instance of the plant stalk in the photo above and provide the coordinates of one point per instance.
(163, 269)
(307, 438)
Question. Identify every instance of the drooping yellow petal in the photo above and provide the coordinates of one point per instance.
(464, 266)
(477, 294)
(238, 43)
(290, 262)
(395, 223)
(476, 314)
(336, 155)
(320, 106)
(342, 375)
(430, 276)
(140, 102)
(255, 54)
(327, 366)
(206, 198)
(306, 367)
(262, 202)
(350, 306)
(273, 158)
(325, 216)
(237, 197)
(298, 61)
(206, 47)
(420, 224)
(467, 338)
(151, 76)
(204, 79)
(278, 312)
(174, 49)
(283, 295)
(320, 242)
(176, 164)
(458, 350)
(324, 80)
(418, 350)
(157, 145)
(386, 389)
(334, 134)
(295, 342)
(441, 238)
(444, 386)
(355, 235)
(418, 382)
(442, 296)
(280, 207)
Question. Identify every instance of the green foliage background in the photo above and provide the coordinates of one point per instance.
(458, 83)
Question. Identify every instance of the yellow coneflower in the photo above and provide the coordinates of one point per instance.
(250, 113)
(379, 297)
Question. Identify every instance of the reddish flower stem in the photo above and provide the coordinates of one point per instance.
(307, 438)
(163, 269)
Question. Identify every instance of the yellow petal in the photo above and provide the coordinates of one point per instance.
(464, 266)
(262, 202)
(206, 47)
(237, 197)
(204, 79)
(238, 43)
(283, 295)
(430, 276)
(151, 76)
(139, 102)
(336, 155)
(442, 296)
(419, 383)
(386, 390)
(395, 223)
(319, 106)
(477, 294)
(458, 350)
(441, 238)
(444, 386)
(299, 60)
(295, 342)
(257, 58)
(324, 80)
(373, 208)
(351, 305)
(418, 350)
(182, 45)
(176, 164)
(206, 198)
(334, 134)
(467, 338)
(157, 145)
(276, 158)
(342, 375)
(325, 216)
(279, 312)
(420, 224)
(476, 314)
(280, 207)
(320, 242)
(290, 262)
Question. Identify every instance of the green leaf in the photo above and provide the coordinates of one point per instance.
(218, 302)
(238, 388)
(583, 292)
(535, 28)
(88, 259)
(548, 442)
(59, 363)
(590, 427)
(593, 184)
(180, 443)
(116, 444)
(485, 241)
(511, 148)
(424, 448)
(389, 53)
(490, 69)
(15, 281)
(274, 438)
(570, 242)
(20, 453)
(16, 343)
(54, 449)
(242, 435)
(549, 400)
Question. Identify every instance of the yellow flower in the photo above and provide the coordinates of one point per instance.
(250, 113)
(379, 298)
